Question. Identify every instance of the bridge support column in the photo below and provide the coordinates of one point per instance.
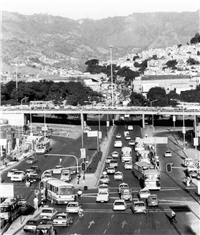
(143, 121)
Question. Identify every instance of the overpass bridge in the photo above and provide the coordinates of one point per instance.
(18, 116)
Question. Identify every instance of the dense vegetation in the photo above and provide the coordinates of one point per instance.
(73, 92)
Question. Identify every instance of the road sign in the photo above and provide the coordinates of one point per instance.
(196, 141)
(83, 153)
(174, 118)
(92, 133)
(169, 167)
(183, 131)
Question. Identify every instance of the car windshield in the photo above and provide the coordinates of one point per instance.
(30, 222)
(46, 211)
(139, 204)
(119, 203)
(72, 205)
(60, 216)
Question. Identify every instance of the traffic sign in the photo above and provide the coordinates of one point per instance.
(169, 167)
(83, 153)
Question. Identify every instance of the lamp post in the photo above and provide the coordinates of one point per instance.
(65, 155)
(23, 99)
(183, 130)
(151, 102)
(111, 74)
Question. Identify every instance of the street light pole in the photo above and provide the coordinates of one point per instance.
(111, 71)
(183, 130)
(151, 102)
(16, 81)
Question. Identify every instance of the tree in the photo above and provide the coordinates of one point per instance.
(192, 61)
(159, 94)
(195, 39)
(171, 63)
(137, 99)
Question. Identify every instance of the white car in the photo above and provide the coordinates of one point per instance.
(47, 174)
(115, 154)
(10, 172)
(119, 205)
(144, 193)
(118, 144)
(126, 133)
(110, 170)
(167, 154)
(122, 186)
(127, 137)
(57, 169)
(72, 207)
(28, 172)
(130, 128)
(118, 136)
(118, 175)
(18, 176)
(104, 179)
(103, 188)
(66, 175)
(47, 213)
(131, 143)
(128, 165)
(102, 196)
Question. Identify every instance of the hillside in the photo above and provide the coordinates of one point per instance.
(70, 43)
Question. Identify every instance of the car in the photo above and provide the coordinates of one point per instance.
(108, 159)
(119, 205)
(62, 219)
(47, 174)
(18, 176)
(121, 186)
(103, 188)
(152, 200)
(45, 221)
(73, 207)
(66, 175)
(57, 169)
(126, 133)
(102, 196)
(104, 179)
(192, 171)
(126, 194)
(34, 177)
(31, 225)
(118, 144)
(118, 175)
(47, 213)
(144, 193)
(31, 160)
(115, 154)
(138, 207)
(127, 137)
(128, 165)
(47, 229)
(168, 154)
(10, 172)
(131, 142)
(110, 170)
(118, 136)
(113, 163)
(29, 172)
(36, 168)
(130, 128)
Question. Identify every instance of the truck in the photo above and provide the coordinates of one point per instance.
(126, 154)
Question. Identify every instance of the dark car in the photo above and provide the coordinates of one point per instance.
(36, 168)
(34, 178)
(31, 160)
(31, 225)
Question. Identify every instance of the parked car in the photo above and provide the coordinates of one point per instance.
(119, 205)
(118, 175)
(72, 207)
(138, 207)
(62, 219)
(48, 213)
(31, 225)
(31, 160)
(168, 154)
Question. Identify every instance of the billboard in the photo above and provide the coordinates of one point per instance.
(6, 190)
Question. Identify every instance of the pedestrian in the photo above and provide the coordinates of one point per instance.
(35, 203)
(173, 216)
(79, 194)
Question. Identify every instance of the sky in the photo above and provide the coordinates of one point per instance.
(96, 9)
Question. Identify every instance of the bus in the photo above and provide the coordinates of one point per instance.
(151, 179)
(39, 104)
(140, 167)
(10, 209)
(43, 147)
(57, 191)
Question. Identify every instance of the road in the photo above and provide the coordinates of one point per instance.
(100, 219)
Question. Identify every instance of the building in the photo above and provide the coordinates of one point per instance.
(176, 83)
